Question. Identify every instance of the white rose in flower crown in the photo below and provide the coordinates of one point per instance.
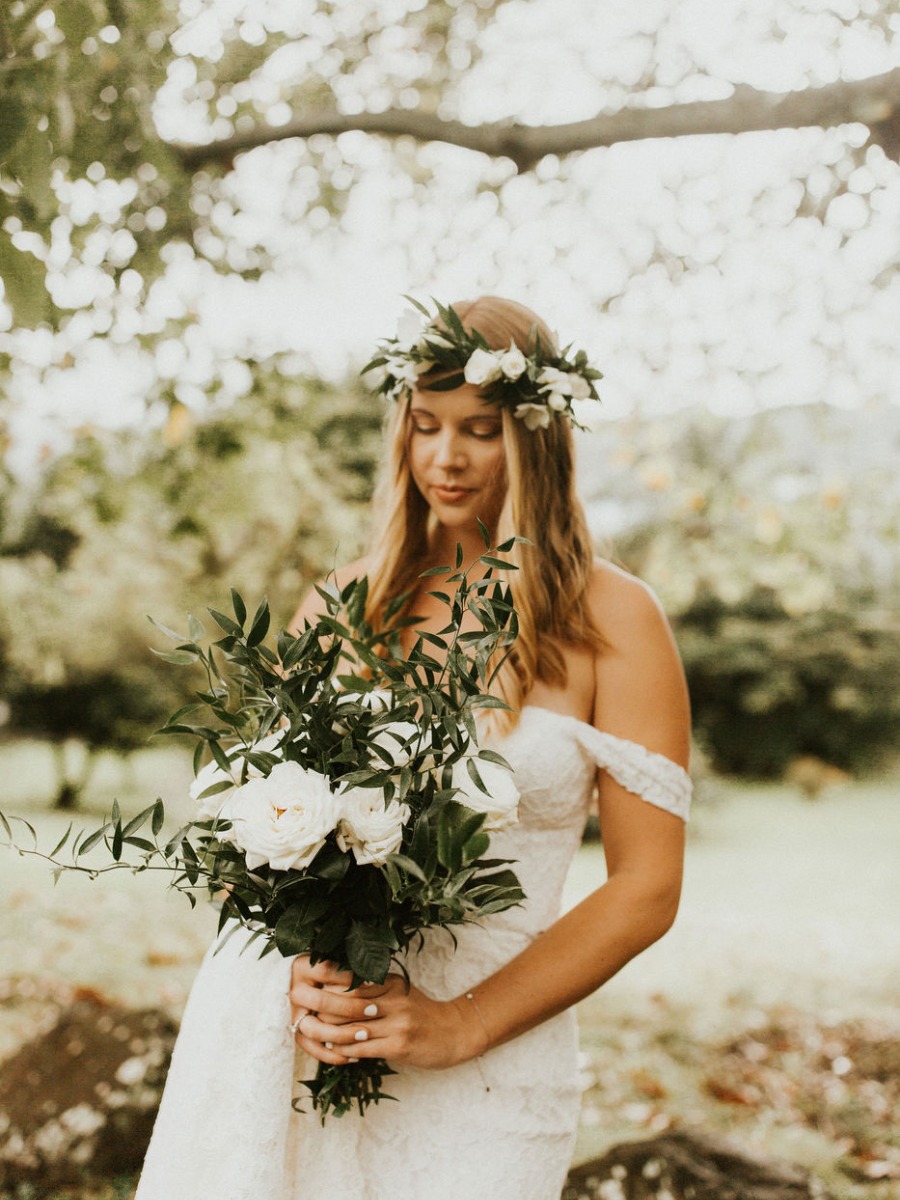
(404, 371)
(554, 380)
(369, 829)
(208, 807)
(483, 367)
(579, 388)
(513, 362)
(283, 819)
(500, 803)
(376, 377)
(409, 328)
(535, 416)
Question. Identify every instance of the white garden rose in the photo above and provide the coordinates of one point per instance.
(500, 803)
(557, 402)
(368, 828)
(513, 362)
(283, 819)
(535, 416)
(483, 367)
(208, 807)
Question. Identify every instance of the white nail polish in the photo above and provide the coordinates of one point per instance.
(361, 1035)
(329, 1045)
(352, 1060)
(371, 1010)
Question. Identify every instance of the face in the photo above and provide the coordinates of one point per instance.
(456, 456)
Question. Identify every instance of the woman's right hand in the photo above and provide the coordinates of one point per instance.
(324, 991)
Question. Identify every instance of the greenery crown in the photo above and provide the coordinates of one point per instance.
(437, 353)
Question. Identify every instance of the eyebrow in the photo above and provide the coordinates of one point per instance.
(485, 416)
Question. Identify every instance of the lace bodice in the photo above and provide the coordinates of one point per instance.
(502, 1126)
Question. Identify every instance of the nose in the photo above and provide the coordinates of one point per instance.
(450, 451)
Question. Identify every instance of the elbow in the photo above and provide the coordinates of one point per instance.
(657, 906)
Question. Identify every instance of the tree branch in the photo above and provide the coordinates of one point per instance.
(870, 101)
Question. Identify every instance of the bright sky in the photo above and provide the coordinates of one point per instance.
(679, 265)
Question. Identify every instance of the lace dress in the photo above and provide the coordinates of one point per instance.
(502, 1126)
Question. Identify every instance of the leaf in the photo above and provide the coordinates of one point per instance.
(484, 533)
(116, 848)
(293, 932)
(164, 629)
(260, 624)
(240, 609)
(408, 865)
(93, 838)
(159, 816)
(225, 623)
(62, 841)
(196, 632)
(178, 658)
(369, 952)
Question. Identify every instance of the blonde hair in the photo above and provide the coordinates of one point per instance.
(550, 587)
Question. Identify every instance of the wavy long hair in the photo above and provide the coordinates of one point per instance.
(550, 587)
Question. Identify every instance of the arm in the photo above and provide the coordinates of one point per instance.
(640, 695)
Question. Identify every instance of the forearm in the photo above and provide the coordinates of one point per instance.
(569, 961)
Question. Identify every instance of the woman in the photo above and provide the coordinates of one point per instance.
(483, 1040)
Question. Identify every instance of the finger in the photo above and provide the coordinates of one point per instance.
(328, 973)
(336, 1007)
(321, 1052)
(338, 1035)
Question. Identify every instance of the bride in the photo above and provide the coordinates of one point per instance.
(483, 1039)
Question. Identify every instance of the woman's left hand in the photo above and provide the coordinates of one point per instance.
(407, 1027)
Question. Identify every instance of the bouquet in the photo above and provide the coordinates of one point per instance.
(346, 806)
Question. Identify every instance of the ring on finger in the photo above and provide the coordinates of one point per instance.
(297, 1026)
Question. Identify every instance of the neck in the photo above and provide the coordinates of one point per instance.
(445, 541)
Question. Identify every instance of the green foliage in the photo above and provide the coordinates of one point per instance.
(331, 694)
(773, 543)
(259, 494)
(768, 686)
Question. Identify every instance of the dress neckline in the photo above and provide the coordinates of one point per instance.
(600, 733)
(554, 712)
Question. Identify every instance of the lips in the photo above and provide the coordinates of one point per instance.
(449, 494)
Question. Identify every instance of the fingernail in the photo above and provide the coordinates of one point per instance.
(361, 1035)
(352, 1060)
(329, 1045)
(371, 1010)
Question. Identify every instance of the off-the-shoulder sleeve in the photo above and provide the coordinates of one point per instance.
(649, 775)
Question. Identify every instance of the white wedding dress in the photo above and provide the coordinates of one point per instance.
(501, 1127)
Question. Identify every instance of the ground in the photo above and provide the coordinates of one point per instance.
(767, 1013)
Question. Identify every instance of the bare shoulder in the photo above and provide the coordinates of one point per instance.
(640, 691)
(624, 607)
(312, 604)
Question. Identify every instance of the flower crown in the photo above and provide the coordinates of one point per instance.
(536, 387)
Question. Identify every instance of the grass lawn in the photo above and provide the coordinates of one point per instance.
(769, 1012)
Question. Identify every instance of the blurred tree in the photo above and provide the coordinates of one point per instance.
(122, 119)
(781, 575)
(257, 496)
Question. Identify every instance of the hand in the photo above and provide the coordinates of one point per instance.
(391, 1020)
